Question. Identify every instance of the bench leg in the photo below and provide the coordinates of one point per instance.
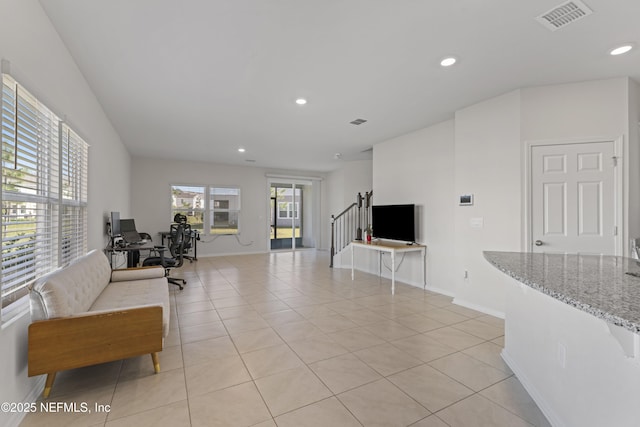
(48, 384)
(156, 362)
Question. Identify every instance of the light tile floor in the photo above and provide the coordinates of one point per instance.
(283, 340)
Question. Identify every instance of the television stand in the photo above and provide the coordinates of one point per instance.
(393, 249)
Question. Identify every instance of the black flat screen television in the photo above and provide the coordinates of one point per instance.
(394, 222)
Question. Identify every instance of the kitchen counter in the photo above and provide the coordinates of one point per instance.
(598, 285)
(572, 335)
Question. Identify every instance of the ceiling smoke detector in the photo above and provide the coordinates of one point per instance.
(358, 122)
(564, 14)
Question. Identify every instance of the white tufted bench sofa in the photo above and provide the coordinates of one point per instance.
(85, 314)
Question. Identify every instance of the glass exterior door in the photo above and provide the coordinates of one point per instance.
(286, 216)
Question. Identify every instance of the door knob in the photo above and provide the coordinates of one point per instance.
(538, 242)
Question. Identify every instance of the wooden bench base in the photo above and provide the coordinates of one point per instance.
(89, 339)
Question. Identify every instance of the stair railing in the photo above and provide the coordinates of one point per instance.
(347, 225)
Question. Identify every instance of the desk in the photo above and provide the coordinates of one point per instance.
(195, 236)
(148, 246)
(393, 249)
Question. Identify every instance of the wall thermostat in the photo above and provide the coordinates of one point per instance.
(466, 200)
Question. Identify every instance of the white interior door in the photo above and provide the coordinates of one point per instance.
(573, 198)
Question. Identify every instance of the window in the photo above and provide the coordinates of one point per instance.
(189, 201)
(44, 193)
(210, 209)
(285, 210)
(225, 210)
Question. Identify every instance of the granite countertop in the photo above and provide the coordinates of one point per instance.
(595, 284)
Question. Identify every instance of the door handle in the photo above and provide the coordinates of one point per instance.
(538, 242)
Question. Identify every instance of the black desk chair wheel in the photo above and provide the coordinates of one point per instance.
(176, 248)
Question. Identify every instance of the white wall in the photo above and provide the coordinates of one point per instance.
(634, 159)
(569, 361)
(487, 165)
(346, 182)
(335, 200)
(595, 109)
(419, 168)
(40, 62)
(309, 216)
(483, 155)
(343, 185)
(358, 178)
(151, 200)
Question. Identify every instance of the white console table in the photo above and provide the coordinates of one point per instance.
(393, 249)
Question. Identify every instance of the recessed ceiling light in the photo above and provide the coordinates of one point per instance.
(301, 101)
(449, 61)
(241, 150)
(621, 49)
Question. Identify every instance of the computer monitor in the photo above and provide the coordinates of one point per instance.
(115, 224)
(129, 232)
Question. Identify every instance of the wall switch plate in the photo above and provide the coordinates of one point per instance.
(476, 222)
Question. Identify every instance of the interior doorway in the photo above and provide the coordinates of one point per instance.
(575, 197)
(290, 215)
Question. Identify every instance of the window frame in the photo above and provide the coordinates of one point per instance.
(229, 211)
(209, 210)
(291, 213)
(185, 210)
(44, 174)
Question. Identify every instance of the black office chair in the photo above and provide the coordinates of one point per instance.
(188, 234)
(134, 256)
(176, 248)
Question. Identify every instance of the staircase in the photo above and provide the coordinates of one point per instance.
(348, 224)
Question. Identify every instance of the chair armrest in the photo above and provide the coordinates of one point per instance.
(138, 273)
(91, 338)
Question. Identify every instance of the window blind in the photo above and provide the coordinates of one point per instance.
(73, 218)
(44, 180)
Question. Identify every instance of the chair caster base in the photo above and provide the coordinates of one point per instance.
(176, 282)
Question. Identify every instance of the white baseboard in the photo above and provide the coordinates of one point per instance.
(337, 263)
(419, 285)
(232, 254)
(480, 308)
(441, 291)
(257, 253)
(15, 418)
(537, 397)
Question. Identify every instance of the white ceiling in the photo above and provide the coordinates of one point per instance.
(197, 79)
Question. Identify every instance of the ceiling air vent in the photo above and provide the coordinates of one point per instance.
(358, 122)
(564, 14)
